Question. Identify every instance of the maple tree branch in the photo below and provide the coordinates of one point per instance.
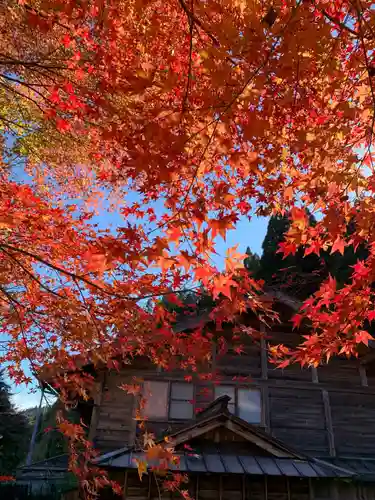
(26, 64)
(57, 268)
(11, 299)
(87, 308)
(74, 277)
(199, 23)
(12, 89)
(31, 275)
(339, 23)
(26, 84)
(191, 29)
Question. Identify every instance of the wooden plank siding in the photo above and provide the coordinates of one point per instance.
(340, 371)
(115, 424)
(297, 418)
(353, 421)
(294, 400)
(222, 487)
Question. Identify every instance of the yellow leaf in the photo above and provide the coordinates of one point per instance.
(141, 467)
(310, 137)
(284, 154)
(204, 54)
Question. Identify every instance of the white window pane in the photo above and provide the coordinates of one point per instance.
(249, 405)
(181, 410)
(156, 396)
(232, 408)
(182, 391)
(225, 390)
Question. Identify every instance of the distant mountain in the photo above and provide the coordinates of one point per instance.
(30, 413)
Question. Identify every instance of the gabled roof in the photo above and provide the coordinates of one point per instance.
(265, 455)
(218, 416)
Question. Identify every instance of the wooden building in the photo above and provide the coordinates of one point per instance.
(293, 434)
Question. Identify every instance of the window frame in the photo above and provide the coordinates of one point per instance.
(167, 417)
(236, 389)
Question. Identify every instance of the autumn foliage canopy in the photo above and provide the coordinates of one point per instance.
(183, 116)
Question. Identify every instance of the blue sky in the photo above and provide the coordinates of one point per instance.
(246, 234)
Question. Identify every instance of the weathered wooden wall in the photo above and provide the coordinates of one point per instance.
(327, 411)
(114, 425)
(297, 418)
(235, 487)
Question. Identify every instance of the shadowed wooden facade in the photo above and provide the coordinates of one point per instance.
(326, 413)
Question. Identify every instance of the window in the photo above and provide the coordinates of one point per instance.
(245, 403)
(168, 400)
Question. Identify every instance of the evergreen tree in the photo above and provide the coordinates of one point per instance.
(50, 442)
(252, 262)
(15, 433)
(297, 274)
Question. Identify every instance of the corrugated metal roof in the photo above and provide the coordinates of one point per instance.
(234, 464)
(59, 462)
(363, 468)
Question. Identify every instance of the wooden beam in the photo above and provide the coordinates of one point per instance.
(220, 487)
(243, 487)
(329, 426)
(262, 443)
(197, 487)
(334, 490)
(311, 491)
(149, 486)
(125, 485)
(263, 353)
(272, 382)
(266, 408)
(314, 375)
(363, 375)
(265, 488)
(288, 488)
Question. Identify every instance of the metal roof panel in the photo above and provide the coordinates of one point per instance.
(214, 463)
(305, 469)
(232, 464)
(287, 467)
(268, 466)
(250, 465)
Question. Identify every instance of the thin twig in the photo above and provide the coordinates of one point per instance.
(198, 22)
(191, 29)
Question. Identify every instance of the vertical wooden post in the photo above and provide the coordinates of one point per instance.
(334, 491)
(311, 491)
(263, 353)
(264, 371)
(220, 487)
(288, 488)
(149, 486)
(197, 488)
(363, 375)
(266, 408)
(329, 426)
(243, 487)
(125, 485)
(314, 375)
(265, 488)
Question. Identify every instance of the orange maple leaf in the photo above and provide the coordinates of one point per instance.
(338, 246)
